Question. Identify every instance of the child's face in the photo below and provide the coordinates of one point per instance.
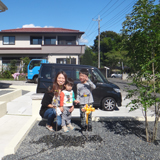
(83, 77)
(68, 87)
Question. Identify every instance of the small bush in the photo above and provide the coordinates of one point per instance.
(7, 74)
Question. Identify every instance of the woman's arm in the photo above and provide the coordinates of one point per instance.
(47, 99)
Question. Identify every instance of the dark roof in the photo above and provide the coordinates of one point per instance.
(41, 30)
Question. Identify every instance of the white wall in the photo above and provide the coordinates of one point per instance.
(52, 58)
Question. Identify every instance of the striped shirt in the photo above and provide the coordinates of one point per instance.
(84, 92)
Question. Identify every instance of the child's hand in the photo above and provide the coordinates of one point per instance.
(83, 110)
(61, 109)
(71, 109)
(76, 102)
(86, 78)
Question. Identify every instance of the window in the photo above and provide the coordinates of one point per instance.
(67, 40)
(34, 63)
(76, 73)
(36, 40)
(66, 60)
(49, 40)
(46, 72)
(9, 40)
(67, 71)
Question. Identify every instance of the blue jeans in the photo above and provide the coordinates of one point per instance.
(50, 115)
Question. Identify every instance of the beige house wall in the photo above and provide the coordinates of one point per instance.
(52, 58)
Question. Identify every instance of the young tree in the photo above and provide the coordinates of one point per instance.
(13, 66)
(26, 61)
(142, 37)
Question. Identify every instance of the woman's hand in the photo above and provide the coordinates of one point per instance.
(61, 109)
(71, 109)
(51, 106)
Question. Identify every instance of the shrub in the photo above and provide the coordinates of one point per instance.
(7, 74)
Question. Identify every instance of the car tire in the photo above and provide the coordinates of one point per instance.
(108, 104)
(35, 79)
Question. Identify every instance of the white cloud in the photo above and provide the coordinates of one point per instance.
(33, 26)
(83, 40)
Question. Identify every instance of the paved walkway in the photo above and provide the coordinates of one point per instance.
(20, 115)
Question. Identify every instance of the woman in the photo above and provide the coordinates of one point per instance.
(50, 98)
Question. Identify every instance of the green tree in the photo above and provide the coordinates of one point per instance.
(87, 58)
(13, 67)
(142, 38)
(26, 61)
(110, 44)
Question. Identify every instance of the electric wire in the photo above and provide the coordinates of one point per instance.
(119, 14)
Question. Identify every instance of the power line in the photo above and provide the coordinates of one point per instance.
(114, 9)
(98, 14)
(119, 14)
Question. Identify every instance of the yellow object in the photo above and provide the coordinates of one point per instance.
(88, 110)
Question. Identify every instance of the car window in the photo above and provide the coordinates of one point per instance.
(97, 75)
(34, 63)
(46, 72)
(76, 73)
(67, 71)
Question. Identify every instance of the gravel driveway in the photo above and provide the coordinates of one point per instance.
(123, 140)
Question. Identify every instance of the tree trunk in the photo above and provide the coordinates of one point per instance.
(146, 127)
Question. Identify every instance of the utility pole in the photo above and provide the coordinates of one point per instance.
(98, 40)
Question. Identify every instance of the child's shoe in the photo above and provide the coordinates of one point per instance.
(90, 128)
(83, 128)
(65, 129)
(70, 127)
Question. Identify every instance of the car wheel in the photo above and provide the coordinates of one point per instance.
(36, 79)
(108, 104)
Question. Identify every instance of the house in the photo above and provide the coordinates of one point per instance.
(57, 45)
(2, 7)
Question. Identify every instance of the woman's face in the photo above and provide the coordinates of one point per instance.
(60, 79)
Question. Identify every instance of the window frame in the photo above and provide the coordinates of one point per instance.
(35, 37)
(9, 42)
(50, 40)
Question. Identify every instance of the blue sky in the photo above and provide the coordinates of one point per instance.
(69, 14)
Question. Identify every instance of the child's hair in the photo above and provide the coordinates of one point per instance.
(70, 82)
(84, 71)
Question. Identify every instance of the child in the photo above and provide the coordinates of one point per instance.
(66, 100)
(84, 96)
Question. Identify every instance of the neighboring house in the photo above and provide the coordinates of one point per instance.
(2, 7)
(58, 45)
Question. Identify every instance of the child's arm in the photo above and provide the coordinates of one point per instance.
(78, 95)
(61, 99)
(92, 85)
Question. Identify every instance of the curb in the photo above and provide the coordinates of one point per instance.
(14, 144)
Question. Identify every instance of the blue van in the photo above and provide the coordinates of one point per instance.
(33, 69)
(107, 96)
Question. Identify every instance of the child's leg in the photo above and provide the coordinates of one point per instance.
(68, 118)
(89, 127)
(82, 117)
(64, 116)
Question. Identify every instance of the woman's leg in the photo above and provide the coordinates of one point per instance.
(50, 114)
(59, 120)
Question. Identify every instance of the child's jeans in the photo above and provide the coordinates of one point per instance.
(83, 118)
(66, 116)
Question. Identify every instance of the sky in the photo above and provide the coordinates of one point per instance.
(80, 15)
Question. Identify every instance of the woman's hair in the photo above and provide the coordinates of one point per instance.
(56, 87)
(70, 82)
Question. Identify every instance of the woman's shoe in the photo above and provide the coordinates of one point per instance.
(49, 128)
